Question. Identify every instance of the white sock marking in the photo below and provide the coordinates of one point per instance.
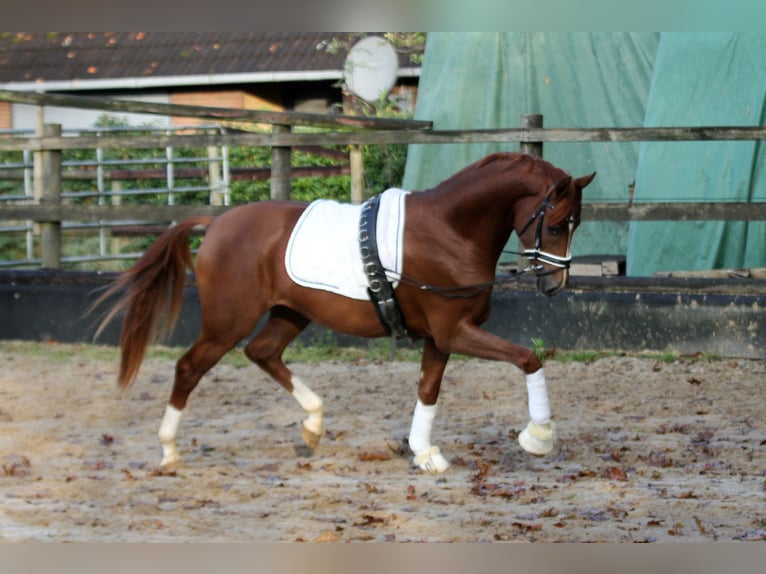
(168, 432)
(311, 403)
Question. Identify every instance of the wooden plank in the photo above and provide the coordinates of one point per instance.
(684, 285)
(95, 213)
(384, 137)
(211, 113)
(751, 273)
(236, 173)
(591, 212)
(675, 211)
(598, 266)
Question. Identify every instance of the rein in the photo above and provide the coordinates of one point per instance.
(476, 288)
(533, 255)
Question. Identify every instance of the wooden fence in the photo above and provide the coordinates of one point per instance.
(47, 145)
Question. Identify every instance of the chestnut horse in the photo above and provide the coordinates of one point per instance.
(453, 237)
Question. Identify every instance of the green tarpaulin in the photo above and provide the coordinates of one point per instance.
(604, 79)
(580, 79)
(702, 79)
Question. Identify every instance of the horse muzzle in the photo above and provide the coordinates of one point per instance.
(552, 283)
(552, 270)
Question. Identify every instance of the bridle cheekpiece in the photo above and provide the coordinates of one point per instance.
(536, 256)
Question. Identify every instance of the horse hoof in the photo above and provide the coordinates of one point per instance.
(537, 439)
(431, 461)
(170, 462)
(310, 437)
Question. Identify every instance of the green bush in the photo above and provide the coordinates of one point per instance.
(383, 167)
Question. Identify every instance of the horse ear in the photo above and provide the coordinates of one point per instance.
(562, 186)
(582, 182)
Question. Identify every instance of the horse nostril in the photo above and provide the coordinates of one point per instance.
(551, 290)
(549, 287)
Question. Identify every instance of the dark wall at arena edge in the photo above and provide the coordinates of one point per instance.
(724, 317)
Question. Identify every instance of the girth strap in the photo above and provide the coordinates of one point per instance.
(379, 289)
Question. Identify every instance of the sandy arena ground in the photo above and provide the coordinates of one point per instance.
(647, 451)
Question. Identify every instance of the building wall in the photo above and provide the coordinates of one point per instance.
(6, 119)
(231, 99)
(25, 117)
(214, 99)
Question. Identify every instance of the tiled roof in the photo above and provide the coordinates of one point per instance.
(64, 56)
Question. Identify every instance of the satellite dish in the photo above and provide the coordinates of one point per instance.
(370, 68)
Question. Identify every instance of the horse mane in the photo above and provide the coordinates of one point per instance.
(514, 157)
(546, 170)
(566, 206)
(552, 175)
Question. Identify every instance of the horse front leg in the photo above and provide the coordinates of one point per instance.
(538, 436)
(428, 457)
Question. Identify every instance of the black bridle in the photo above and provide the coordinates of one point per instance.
(537, 258)
(537, 253)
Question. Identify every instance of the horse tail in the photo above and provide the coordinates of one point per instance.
(152, 293)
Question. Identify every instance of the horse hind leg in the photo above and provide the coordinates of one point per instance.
(190, 368)
(266, 349)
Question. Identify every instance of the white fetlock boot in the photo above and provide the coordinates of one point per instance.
(431, 461)
(537, 438)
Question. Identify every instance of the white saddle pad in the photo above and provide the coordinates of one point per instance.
(323, 249)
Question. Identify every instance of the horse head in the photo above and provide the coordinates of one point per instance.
(545, 226)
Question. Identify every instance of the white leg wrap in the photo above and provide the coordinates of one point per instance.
(539, 407)
(537, 438)
(427, 457)
(311, 403)
(168, 433)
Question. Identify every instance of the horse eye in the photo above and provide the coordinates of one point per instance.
(554, 230)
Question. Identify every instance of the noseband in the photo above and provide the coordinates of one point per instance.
(537, 254)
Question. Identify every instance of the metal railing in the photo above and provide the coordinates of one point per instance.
(102, 178)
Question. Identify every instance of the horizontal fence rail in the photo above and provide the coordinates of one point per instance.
(385, 137)
(683, 211)
(210, 113)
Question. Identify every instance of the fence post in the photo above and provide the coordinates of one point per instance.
(532, 121)
(356, 165)
(214, 175)
(280, 167)
(170, 174)
(534, 149)
(47, 166)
